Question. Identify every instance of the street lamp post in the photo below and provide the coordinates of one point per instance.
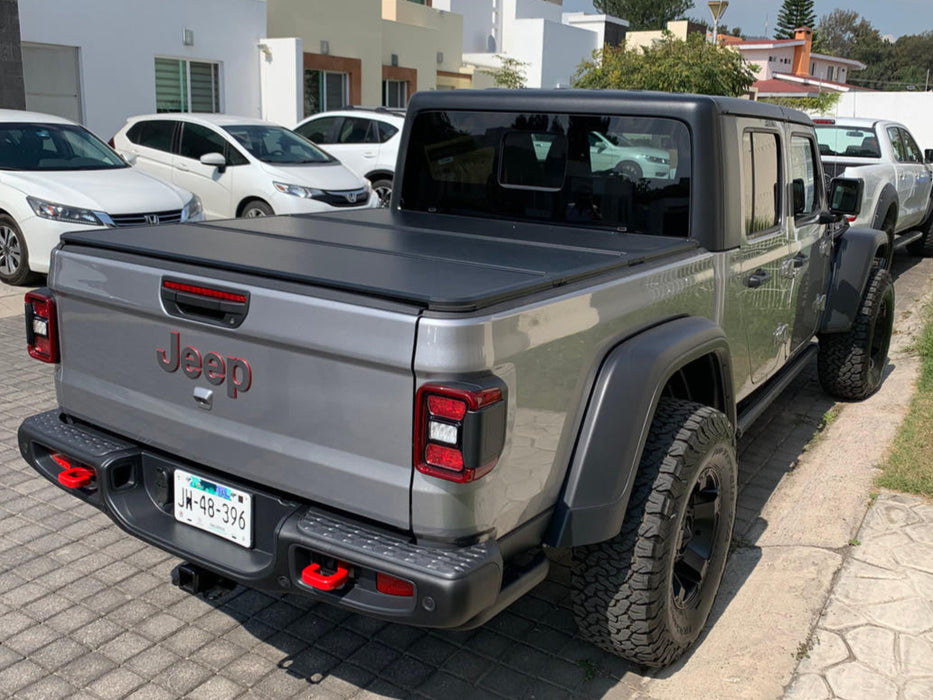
(717, 8)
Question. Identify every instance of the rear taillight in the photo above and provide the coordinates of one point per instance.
(41, 326)
(459, 432)
(850, 218)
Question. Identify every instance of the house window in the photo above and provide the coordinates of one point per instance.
(325, 90)
(394, 93)
(187, 86)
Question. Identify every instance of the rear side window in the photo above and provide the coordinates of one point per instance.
(911, 148)
(197, 140)
(761, 181)
(356, 130)
(386, 131)
(157, 134)
(626, 174)
(894, 135)
(319, 130)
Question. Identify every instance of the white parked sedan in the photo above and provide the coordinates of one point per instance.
(56, 176)
(240, 166)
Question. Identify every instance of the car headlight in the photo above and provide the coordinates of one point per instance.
(656, 159)
(191, 209)
(62, 212)
(297, 190)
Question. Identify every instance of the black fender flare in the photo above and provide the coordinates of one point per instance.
(856, 252)
(887, 197)
(617, 419)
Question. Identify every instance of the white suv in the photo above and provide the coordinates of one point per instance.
(366, 140)
(240, 166)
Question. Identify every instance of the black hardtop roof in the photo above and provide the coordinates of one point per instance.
(638, 102)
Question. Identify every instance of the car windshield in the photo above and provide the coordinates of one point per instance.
(54, 147)
(840, 140)
(275, 144)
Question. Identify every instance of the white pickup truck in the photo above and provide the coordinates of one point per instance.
(897, 178)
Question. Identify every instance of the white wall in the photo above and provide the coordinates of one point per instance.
(565, 48)
(477, 22)
(912, 109)
(118, 41)
(281, 67)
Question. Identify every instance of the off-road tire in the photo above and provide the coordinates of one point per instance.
(923, 246)
(851, 365)
(625, 589)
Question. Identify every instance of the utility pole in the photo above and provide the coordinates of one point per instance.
(12, 87)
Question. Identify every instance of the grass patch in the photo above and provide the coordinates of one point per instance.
(910, 466)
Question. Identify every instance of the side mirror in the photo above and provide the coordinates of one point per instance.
(928, 155)
(130, 158)
(216, 160)
(799, 196)
(845, 196)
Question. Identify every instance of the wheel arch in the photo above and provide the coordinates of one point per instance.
(856, 252)
(684, 358)
(380, 174)
(887, 198)
(246, 200)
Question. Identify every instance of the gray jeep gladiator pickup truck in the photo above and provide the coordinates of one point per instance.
(397, 411)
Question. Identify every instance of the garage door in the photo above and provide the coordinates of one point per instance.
(51, 76)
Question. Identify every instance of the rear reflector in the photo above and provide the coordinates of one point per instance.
(41, 326)
(459, 432)
(204, 291)
(394, 586)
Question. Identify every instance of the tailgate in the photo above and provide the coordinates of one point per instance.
(323, 410)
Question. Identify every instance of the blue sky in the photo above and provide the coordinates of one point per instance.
(895, 17)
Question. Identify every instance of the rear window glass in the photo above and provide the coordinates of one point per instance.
(852, 141)
(628, 174)
(156, 134)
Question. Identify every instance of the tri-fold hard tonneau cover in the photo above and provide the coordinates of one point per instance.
(442, 263)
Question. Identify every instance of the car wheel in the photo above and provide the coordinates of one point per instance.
(629, 170)
(851, 365)
(646, 594)
(14, 255)
(254, 208)
(923, 246)
(383, 189)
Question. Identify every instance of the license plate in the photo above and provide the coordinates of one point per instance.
(217, 508)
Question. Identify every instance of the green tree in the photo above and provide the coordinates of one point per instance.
(724, 29)
(794, 14)
(644, 14)
(670, 65)
(510, 74)
(838, 31)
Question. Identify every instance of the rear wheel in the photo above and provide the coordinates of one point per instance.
(14, 255)
(254, 208)
(383, 189)
(646, 594)
(851, 365)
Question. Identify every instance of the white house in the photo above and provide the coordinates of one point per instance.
(790, 68)
(537, 32)
(100, 61)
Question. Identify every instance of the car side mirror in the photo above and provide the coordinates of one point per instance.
(216, 160)
(799, 196)
(928, 155)
(845, 196)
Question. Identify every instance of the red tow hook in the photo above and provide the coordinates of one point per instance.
(71, 476)
(312, 575)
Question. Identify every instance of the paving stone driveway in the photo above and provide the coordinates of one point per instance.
(87, 611)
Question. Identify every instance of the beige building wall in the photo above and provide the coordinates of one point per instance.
(680, 29)
(351, 28)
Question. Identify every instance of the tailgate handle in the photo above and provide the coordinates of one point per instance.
(219, 306)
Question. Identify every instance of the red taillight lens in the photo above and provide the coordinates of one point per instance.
(41, 327)
(394, 586)
(850, 219)
(459, 433)
(824, 121)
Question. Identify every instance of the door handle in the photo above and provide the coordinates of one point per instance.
(182, 167)
(799, 260)
(758, 278)
(369, 154)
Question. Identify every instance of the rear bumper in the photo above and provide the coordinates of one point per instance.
(454, 587)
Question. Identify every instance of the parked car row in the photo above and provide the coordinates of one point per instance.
(56, 175)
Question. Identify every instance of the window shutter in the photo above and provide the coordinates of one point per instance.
(171, 85)
(204, 92)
